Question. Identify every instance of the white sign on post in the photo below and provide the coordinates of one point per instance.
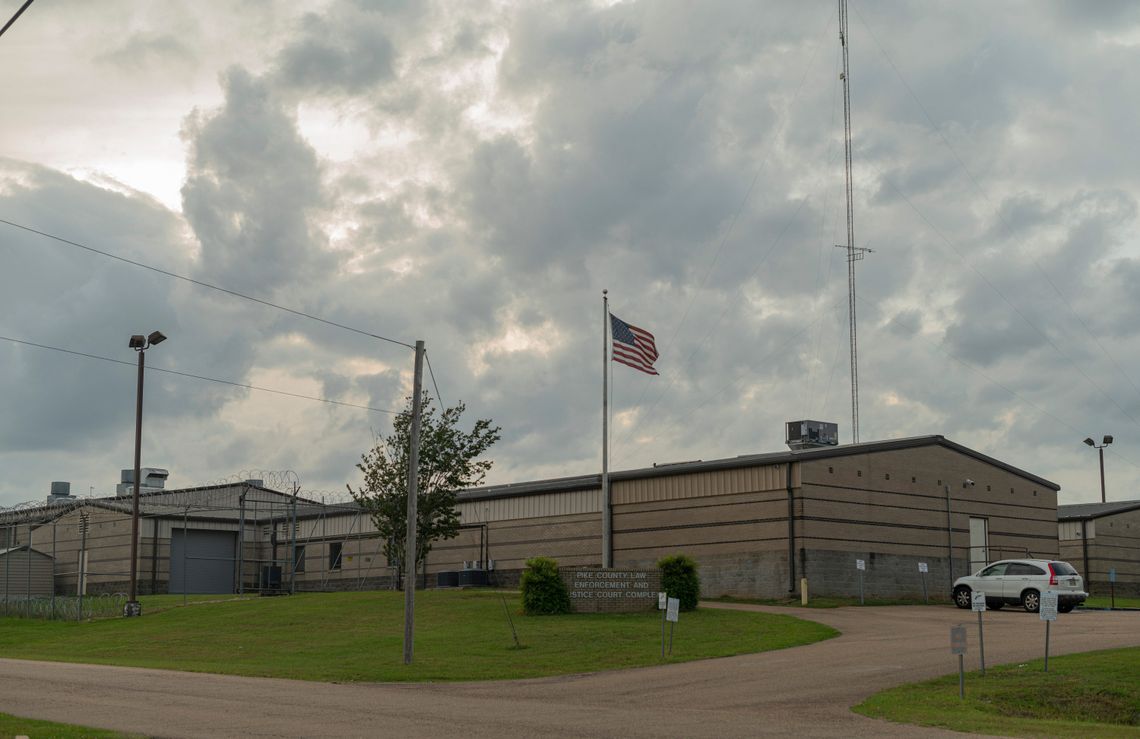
(661, 601)
(957, 640)
(922, 567)
(978, 601)
(673, 610)
(1048, 607)
(860, 564)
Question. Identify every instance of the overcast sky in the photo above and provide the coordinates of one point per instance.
(474, 174)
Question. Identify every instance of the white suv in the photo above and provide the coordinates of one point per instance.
(1021, 582)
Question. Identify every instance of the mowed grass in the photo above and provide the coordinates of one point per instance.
(11, 726)
(1104, 601)
(351, 637)
(1082, 695)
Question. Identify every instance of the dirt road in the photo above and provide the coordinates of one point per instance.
(802, 692)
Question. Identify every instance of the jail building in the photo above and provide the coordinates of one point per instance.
(897, 517)
(1102, 540)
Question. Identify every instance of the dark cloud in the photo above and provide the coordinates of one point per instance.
(252, 185)
(349, 54)
(507, 162)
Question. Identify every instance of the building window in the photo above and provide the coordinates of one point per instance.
(299, 559)
(334, 555)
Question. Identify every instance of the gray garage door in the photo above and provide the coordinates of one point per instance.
(202, 561)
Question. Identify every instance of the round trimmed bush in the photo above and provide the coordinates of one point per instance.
(543, 592)
(680, 580)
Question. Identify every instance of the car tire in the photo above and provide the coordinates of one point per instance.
(1031, 601)
(962, 596)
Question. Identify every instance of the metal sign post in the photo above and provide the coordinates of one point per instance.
(662, 604)
(1112, 588)
(922, 570)
(958, 647)
(978, 604)
(672, 613)
(861, 566)
(1048, 611)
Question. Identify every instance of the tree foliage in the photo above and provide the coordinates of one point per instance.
(543, 592)
(448, 462)
(680, 580)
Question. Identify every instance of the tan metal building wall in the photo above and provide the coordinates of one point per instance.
(1113, 542)
(890, 509)
(25, 573)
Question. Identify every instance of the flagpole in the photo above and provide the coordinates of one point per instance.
(607, 523)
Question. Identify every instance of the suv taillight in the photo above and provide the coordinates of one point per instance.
(1052, 575)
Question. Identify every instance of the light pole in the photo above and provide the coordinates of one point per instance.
(140, 344)
(1100, 448)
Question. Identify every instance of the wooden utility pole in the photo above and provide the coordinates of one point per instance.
(413, 487)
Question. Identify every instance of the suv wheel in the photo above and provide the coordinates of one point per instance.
(962, 596)
(1031, 601)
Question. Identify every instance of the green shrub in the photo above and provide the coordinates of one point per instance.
(543, 591)
(679, 579)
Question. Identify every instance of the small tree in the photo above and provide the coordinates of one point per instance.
(543, 592)
(680, 580)
(448, 463)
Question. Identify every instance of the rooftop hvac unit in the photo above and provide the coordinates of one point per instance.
(811, 434)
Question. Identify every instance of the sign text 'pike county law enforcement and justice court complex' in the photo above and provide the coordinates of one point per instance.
(611, 591)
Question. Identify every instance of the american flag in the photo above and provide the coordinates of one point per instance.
(633, 346)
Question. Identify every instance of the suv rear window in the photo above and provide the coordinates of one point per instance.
(1024, 568)
(1063, 568)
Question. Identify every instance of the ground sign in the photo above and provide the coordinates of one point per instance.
(612, 591)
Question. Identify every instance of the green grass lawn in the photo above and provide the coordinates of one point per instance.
(1104, 601)
(1082, 695)
(11, 726)
(348, 637)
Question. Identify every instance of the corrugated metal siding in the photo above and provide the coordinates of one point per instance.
(19, 569)
(1071, 530)
(702, 484)
(531, 506)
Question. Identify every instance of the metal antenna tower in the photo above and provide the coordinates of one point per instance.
(854, 254)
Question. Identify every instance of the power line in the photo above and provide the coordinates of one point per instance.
(199, 283)
(199, 377)
(432, 375)
(13, 18)
(997, 213)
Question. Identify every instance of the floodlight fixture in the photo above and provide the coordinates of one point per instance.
(138, 341)
(156, 337)
(1105, 441)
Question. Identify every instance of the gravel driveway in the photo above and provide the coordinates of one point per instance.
(802, 692)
